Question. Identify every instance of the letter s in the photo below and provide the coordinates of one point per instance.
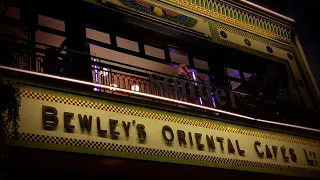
(293, 155)
(142, 135)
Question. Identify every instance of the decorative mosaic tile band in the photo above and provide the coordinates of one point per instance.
(100, 106)
(158, 152)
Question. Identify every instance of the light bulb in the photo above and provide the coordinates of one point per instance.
(113, 85)
(135, 87)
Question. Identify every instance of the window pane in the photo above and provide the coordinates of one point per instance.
(233, 73)
(51, 23)
(127, 44)
(247, 76)
(201, 77)
(200, 64)
(98, 36)
(178, 56)
(155, 52)
(131, 60)
(48, 38)
(234, 85)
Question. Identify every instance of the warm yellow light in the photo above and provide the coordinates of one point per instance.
(113, 87)
(135, 87)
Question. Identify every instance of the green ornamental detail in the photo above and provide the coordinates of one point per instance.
(240, 15)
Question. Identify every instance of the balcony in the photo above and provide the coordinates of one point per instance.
(58, 67)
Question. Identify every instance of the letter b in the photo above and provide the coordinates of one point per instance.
(49, 118)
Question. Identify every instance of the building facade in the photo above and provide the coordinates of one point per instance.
(172, 88)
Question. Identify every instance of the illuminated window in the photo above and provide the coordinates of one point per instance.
(48, 38)
(234, 85)
(97, 35)
(247, 76)
(178, 56)
(200, 64)
(51, 23)
(155, 52)
(127, 44)
(131, 60)
(233, 73)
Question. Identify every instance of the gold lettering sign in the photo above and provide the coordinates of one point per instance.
(108, 128)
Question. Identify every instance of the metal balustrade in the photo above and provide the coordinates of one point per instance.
(35, 56)
(107, 76)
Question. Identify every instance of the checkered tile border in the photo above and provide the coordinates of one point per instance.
(157, 152)
(94, 105)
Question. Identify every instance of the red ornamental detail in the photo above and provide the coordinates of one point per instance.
(144, 3)
(171, 13)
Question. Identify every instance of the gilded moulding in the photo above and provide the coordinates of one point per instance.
(236, 17)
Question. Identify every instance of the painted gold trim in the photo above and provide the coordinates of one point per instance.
(262, 25)
(251, 36)
(162, 117)
(246, 48)
(173, 155)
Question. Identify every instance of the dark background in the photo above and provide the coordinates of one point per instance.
(305, 13)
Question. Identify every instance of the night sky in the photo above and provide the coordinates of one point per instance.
(305, 13)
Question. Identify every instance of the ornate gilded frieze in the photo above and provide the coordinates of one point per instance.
(236, 17)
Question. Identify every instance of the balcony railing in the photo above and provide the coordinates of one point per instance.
(43, 58)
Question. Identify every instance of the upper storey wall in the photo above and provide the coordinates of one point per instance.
(236, 24)
(246, 28)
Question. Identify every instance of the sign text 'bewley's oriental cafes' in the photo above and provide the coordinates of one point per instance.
(113, 129)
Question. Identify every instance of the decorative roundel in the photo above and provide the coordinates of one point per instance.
(248, 42)
(300, 82)
(290, 56)
(269, 49)
(223, 34)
